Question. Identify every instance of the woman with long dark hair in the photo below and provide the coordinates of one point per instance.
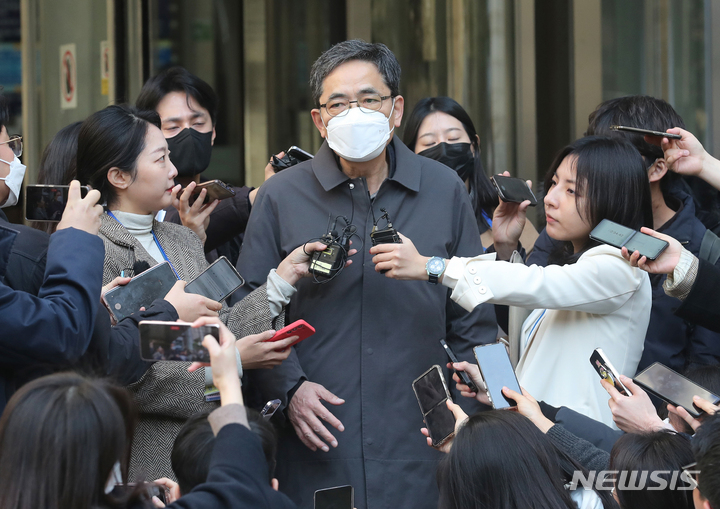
(441, 129)
(500, 460)
(589, 298)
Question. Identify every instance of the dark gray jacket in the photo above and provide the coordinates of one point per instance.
(374, 335)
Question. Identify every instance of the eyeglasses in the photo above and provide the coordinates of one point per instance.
(691, 473)
(366, 102)
(15, 144)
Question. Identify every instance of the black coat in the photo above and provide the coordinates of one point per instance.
(55, 326)
(702, 305)
(375, 335)
(670, 339)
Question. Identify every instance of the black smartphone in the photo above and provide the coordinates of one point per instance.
(463, 376)
(431, 392)
(645, 132)
(340, 497)
(674, 388)
(217, 282)
(269, 409)
(513, 189)
(618, 236)
(216, 190)
(299, 154)
(141, 291)
(607, 371)
(46, 204)
(497, 371)
(175, 341)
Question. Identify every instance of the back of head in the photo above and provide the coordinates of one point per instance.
(60, 437)
(347, 51)
(177, 79)
(646, 465)
(640, 111)
(111, 138)
(500, 460)
(57, 164)
(194, 444)
(611, 180)
(706, 448)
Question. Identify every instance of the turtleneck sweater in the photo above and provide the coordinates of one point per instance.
(140, 227)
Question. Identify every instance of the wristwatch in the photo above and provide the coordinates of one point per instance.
(434, 267)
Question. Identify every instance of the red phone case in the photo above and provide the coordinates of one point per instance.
(300, 328)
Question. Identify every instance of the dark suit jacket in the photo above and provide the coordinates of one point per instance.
(56, 325)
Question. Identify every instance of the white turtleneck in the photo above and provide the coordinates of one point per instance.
(140, 227)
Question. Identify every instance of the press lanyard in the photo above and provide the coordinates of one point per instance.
(157, 243)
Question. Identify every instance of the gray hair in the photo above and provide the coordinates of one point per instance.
(356, 49)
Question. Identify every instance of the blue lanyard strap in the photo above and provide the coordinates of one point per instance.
(157, 243)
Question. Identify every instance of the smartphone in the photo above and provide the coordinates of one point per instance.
(645, 132)
(513, 189)
(674, 388)
(497, 371)
(216, 190)
(299, 328)
(141, 291)
(269, 409)
(45, 204)
(431, 392)
(340, 497)
(618, 236)
(218, 282)
(463, 376)
(299, 154)
(607, 371)
(175, 341)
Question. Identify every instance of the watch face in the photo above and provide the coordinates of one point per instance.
(435, 266)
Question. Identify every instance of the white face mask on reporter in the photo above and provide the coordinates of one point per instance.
(358, 136)
(13, 181)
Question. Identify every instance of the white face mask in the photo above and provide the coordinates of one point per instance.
(358, 136)
(13, 181)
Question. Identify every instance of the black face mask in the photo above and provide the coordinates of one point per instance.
(190, 151)
(457, 156)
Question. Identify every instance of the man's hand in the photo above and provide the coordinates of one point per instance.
(474, 373)
(223, 361)
(529, 407)
(304, 409)
(663, 264)
(296, 265)
(401, 261)
(256, 352)
(81, 213)
(460, 418)
(195, 216)
(191, 306)
(173, 488)
(699, 402)
(634, 413)
(507, 225)
(687, 156)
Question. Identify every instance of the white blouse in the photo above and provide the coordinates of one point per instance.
(598, 302)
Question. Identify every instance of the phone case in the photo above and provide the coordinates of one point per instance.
(216, 190)
(298, 328)
(499, 180)
(207, 285)
(603, 367)
(441, 441)
(141, 291)
(617, 235)
(463, 376)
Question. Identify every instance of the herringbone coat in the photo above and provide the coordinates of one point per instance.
(167, 395)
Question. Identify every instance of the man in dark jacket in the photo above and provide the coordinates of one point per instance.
(670, 340)
(374, 335)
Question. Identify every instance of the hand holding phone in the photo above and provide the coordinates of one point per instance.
(269, 409)
(674, 388)
(514, 190)
(299, 328)
(175, 341)
(140, 291)
(619, 236)
(432, 394)
(46, 204)
(220, 280)
(463, 376)
(645, 132)
(497, 371)
(602, 365)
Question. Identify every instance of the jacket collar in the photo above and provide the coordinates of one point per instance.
(327, 170)
(117, 233)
